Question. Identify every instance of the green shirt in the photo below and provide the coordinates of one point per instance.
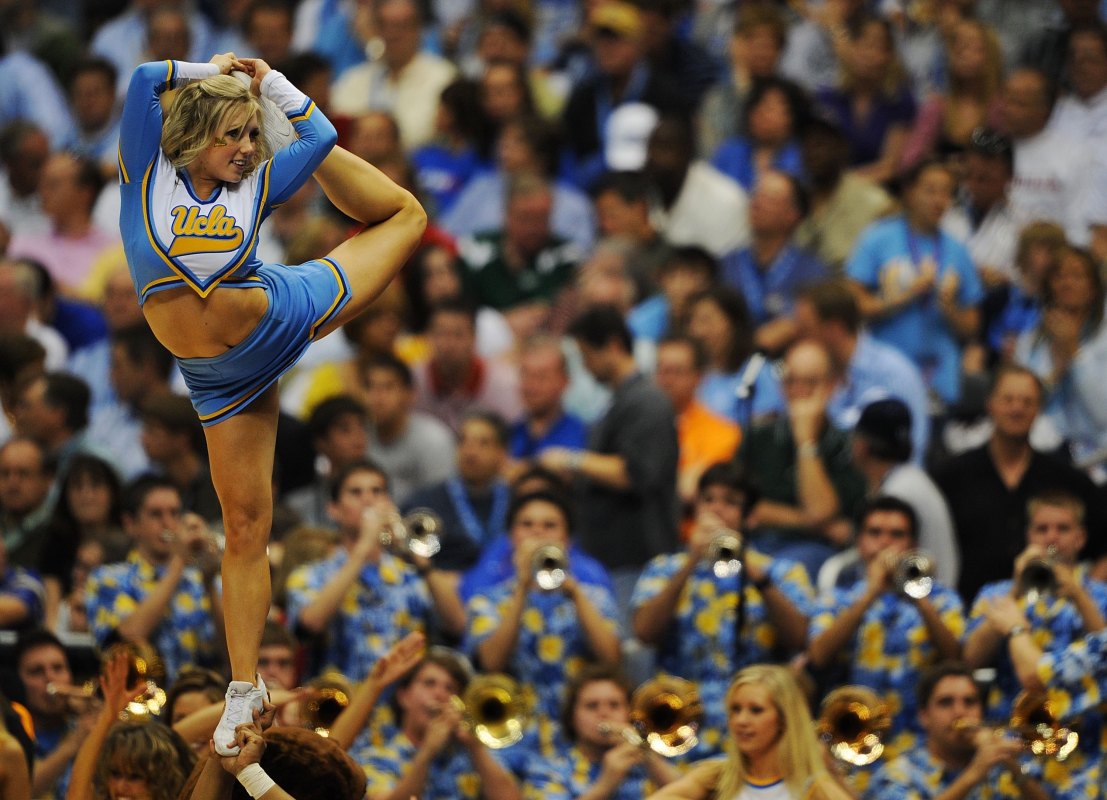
(489, 281)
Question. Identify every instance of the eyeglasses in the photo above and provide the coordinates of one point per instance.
(990, 142)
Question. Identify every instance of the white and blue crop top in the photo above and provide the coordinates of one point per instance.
(171, 237)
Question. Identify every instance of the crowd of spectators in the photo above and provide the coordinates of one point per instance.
(829, 274)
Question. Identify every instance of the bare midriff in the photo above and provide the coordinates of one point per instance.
(191, 326)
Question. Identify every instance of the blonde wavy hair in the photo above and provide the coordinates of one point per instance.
(799, 753)
(198, 112)
(147, 749)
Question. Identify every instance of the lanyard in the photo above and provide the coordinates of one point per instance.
(479, 532)
(915, 252)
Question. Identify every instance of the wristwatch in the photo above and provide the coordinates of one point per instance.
(1017, 630)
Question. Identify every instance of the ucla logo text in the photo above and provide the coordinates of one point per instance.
(195, 233)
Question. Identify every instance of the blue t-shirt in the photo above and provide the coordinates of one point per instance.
(771, 292)
(569, 431)
(889, 256)
(443, 174)
(735, 157)
(719, 392)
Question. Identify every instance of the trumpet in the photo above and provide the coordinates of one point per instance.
(77, 698)
(495, 708)
(550, 567)
(1034, 721)
(320, 709)
(665, 715)
(417, 533)
(914, 575)
(724, 553)
(853, 722)
(1037, 578)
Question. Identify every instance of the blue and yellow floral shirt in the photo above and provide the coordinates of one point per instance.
(916, 775)
(186, 633)
(568, 774)
(890, 650)
(451, 775)
(388, 601)
(552, 647)
(700, 643)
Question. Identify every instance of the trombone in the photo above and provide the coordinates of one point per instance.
(330, 696)
(665, 715)
(1034, 721)
(914, 575)
(550, 567)
(495, 708)
(725, 553)
(417, 533)
(853, 723)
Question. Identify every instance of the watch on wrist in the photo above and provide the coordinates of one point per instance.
(1017, 630)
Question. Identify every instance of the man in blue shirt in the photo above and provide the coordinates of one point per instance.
(543, 379)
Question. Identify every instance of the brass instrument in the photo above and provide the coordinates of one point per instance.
(417, 533)
(665, 715)
(852, 722)
(495, 708)
(914, 575)
(329, 698)
(1034, 722)
(550, 567)
(724, 553)
(1037, 578)
(77, 698)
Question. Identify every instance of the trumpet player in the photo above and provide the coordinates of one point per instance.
(434, 754)
(165, 593)
(362, 598)
(960, 759)
(599, 761)
(705, 625)
(544, 637)
(876, 632)
(1008, 624)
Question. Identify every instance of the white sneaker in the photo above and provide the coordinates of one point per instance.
(242, 698)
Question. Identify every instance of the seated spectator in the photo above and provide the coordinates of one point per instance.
(543, 379)
(59, 727)
(684, 272)
(704, 437)
(1038, 249)
(375, 137)
(338, 438)
(174, 442)
(695, 204)
(987, 487)
(960, 755)
(89, 510)
(843, 203)
(817, 43)
(25, 500)
(878, 634)
(543, 637)
(800, 463)
(520, 269)
(68, 188)
(19, 296)
(434, 752)
(738, 384)
(52, 409)
(706, 625)
(873, 105)
(21, 359)
(22, 596)
(1067, 350)
(24, 148)
(916, 284)
(358, 602)
(455, 378)
(597, 761)
(948, 119)
(756, 44)
(194, 689)
(165, 593)
(772, 269)
(406, 80)
(414, 448)
(772, 116)
(473, 503)
(622, 201)
(1075, 606)
(881, 451)
(526, 146)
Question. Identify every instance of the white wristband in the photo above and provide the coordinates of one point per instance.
(255, 781)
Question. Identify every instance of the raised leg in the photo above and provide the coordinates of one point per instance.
(395, 223)
(241, 450)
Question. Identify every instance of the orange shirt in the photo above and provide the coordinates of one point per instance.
(705, 438)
